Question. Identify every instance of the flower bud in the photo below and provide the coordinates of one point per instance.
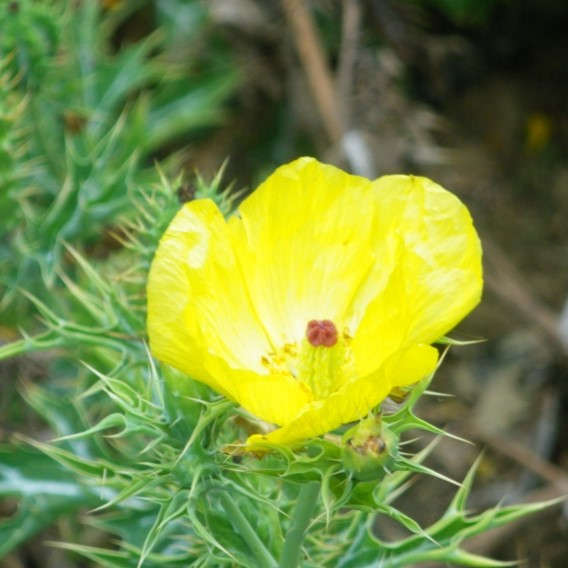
(369, 448)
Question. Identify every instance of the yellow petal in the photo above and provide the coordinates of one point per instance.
(196, 295)
(442, 264)
(275, 398)
(303, 238)
(416, 363)
(200, 319)
(384, 327)
(355, 399)
(432, 256)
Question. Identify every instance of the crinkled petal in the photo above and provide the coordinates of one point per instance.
(355, 399)
(275, 398)
(303, 239)
(432, 259)
(196, 296)
(200, 318)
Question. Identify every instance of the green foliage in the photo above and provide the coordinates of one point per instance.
(155, 457)
(93, 119)
(45, 490)
(30, 36)
(160, 456)
(152, 460)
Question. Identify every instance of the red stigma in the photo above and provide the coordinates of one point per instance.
(321, 332)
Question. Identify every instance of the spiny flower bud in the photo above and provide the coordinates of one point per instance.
(369, 448)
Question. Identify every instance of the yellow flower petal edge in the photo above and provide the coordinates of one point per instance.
(200, 318)
(318, 297)
(354, 400)
(304, 239)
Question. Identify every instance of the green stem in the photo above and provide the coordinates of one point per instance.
(240, 522)
(303, 513)
(46, 340)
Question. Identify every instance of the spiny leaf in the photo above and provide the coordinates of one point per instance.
(459, 501)
(168, 512)
(212, 411)
(331, 502)
(110, 421)
(130, 490)
(64, 418)
(45, 489)
(97, 468)
(41, 342)
(404, 520)
(182, 107)
(464, 558)
(102, 556)
(463, 342)
(512, 513)
(392, 486)
(410, 465)
(208, 536)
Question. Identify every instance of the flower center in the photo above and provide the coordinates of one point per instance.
(324, 358)
(321, 333)
(322, 361)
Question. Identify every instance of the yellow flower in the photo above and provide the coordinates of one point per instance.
(320, 295)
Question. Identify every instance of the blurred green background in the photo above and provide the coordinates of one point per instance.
(98, 97)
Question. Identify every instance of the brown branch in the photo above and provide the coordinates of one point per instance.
(313, 60)
(347, 56)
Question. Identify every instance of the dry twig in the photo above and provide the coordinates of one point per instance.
(313, 59)
(347, 56)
